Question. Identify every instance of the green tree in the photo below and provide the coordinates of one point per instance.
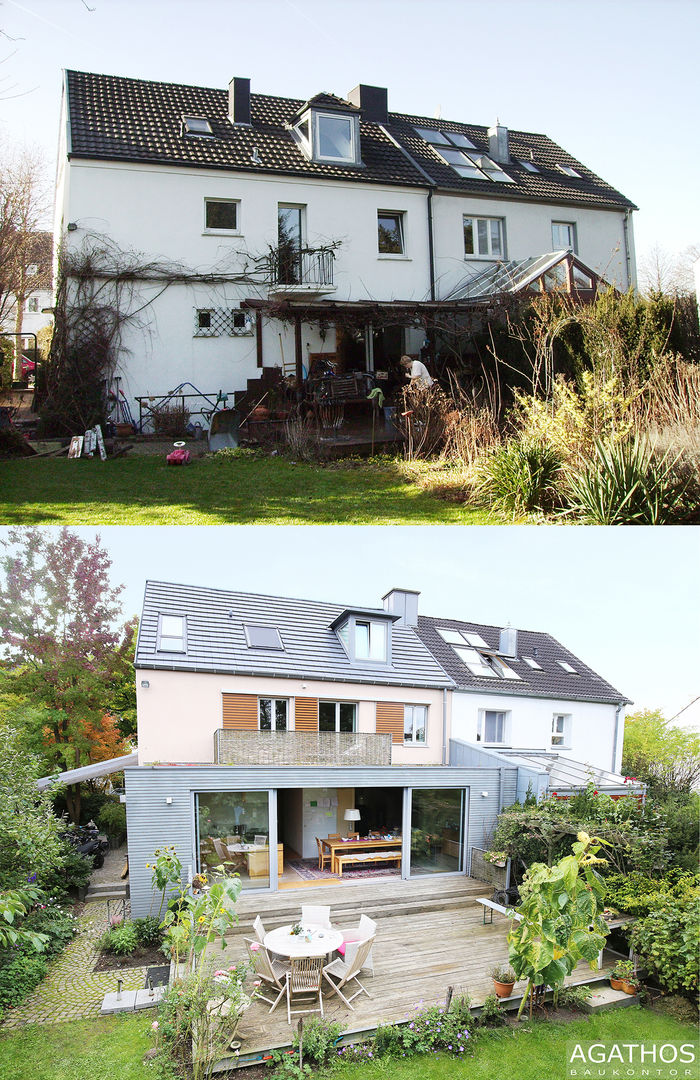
(561, 918)
(662, 755)
(64, 649)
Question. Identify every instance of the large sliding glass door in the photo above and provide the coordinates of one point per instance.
(233, 832)
(437, 830)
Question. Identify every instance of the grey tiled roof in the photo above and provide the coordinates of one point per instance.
(216, 640)
(122, 119)
(551, 682)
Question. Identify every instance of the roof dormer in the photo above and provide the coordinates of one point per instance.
(365, 634)
(328, 130)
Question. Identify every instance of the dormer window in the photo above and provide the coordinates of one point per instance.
(329, 136)
(172, 633)
(370, 641)
(365, 638)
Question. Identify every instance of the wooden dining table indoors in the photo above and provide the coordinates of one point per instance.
(345, 847)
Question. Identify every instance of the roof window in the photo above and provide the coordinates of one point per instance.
(476, 655)
(263, 637)
(532, 663)
(529, 165)
(567, 667)
(460, 637)
(196, 125)
(569, 170)
(172, 633)
(451, 146)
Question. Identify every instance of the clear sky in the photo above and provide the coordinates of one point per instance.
(624, 600)
(615, 82)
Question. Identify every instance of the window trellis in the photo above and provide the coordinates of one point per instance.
(221, 322)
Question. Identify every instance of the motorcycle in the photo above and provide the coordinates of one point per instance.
(87, 841)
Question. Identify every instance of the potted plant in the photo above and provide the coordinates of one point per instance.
(622, 975)
(496, 858)
(503, 980)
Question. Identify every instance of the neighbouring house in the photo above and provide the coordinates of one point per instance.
(263, 721)
(26, 312)
(253, 232)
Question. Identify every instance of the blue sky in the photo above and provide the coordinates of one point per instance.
(613, 81)
(624, 600)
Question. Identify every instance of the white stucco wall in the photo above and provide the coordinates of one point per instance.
(179, 712)
(529, 725)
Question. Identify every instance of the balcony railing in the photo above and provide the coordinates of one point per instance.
(304, 271)
(300, 748)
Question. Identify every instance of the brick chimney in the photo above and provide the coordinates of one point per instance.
(239, 101)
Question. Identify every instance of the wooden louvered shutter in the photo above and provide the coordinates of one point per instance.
(306, 714)
(390, 720)
(240, 712)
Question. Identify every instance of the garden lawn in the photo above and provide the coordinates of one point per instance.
(143, 490)
(535, 1051)
(108, 1048)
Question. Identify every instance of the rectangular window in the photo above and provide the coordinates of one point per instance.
(336, 716)
(263, 637)
(415, 723)
(561, 730)
(492, 727)
(484, 237)
(171, 633)
(335, 135)
(290, 230)
(33, 303)
(563, 236)
(272, 714)
(196, 125)
(390, 232)
(221, 215)
(233, 833)
(218, 322)
(370, 641)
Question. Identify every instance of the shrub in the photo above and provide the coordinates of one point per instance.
(630, 484)
(19, 978)
(638, 894)
(573, 997)
(436, 1028)
(521, 477)
(58, 925)
(72, 873)
(148, 931)
(318, 1041)
(120, 940)
(112, 820)
(666, 941)
(492, 1015)
(502, 973)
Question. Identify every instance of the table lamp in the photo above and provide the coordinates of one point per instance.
(352, 816)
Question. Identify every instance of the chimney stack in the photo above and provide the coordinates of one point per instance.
(498, 144)
(372, 102)
(404, 603)
(508, 643)
(239, 101)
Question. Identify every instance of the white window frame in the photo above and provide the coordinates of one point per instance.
(208, 231)
(337, 704)
(409, 711)
(273, 710)
(400, 215)
(263, 626)
(561, 739)
(375, 630)
(167, 642)
(505, 732)
(490, 255)
(570, 226)
(317, 116)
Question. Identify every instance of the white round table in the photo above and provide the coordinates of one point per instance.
(313, 941)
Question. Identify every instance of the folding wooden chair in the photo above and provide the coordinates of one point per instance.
(304, 978)
(272, 973)
(347, 971)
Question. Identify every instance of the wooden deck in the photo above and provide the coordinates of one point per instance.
(430, 935)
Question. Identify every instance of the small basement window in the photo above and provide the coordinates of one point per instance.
(263, 637)
(171, 633)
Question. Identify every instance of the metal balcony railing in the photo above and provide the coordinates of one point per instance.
(306, 269)
(300, 748)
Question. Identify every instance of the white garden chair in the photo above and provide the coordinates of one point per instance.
(366, 929)
(316, 915)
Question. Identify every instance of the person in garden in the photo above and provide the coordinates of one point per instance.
(416, 371)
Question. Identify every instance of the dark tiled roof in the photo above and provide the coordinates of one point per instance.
(552, 681)
(114, 118)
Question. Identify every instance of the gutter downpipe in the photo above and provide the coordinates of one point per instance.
(618, 710)
(444, 725)
(628, 261)
(431, 248)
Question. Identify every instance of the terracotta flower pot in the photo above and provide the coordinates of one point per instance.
(260, 413)
(629, 988)
(616, 984)
(503, 990)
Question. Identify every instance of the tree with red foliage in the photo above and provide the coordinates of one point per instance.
(64, 647)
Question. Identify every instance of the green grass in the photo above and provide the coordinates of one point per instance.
(143, 490)
(107, 1048)
(532, 1052)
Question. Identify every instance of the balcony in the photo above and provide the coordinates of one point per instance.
(300, 748)
(305, 272)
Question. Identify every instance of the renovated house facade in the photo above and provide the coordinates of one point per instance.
(265, 723)
(263, 232)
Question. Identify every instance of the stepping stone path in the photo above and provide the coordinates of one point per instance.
(72, 989)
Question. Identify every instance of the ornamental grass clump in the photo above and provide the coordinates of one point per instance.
(521, 477)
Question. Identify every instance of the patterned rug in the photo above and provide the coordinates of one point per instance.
(308, 870)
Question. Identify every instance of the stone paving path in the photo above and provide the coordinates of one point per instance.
(72, 990)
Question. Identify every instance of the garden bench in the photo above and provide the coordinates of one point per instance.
(491, 906)
(366, 856)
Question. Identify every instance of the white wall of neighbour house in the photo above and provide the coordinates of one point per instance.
(529, 725)
(159, 212)
(179, 712)
(528, 232)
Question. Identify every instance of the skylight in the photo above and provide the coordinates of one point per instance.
(569, 170)
(171, 633)
(476, 663)
(532, 663)
(196, 125)
(529, 165)
(450, 146)
(460, 637)
(567, 667)
(263, 637)
(493, 171)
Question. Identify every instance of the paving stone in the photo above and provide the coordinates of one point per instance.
(117, 1003)
(147, 1000)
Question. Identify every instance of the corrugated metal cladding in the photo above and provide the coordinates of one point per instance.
(216, 639)
(152, 822)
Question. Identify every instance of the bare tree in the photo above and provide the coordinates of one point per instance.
(661, 271)
(24, 205)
